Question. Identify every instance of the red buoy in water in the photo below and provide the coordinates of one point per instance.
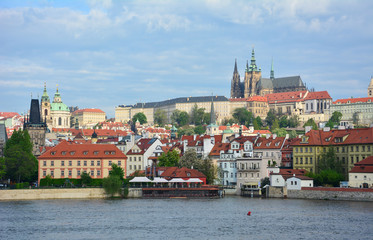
(249, 213)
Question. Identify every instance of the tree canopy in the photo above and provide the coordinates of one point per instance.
(20, 164)
(170, 159)
(141, 117)
(243, 116)
(180, 118)
(160, 117)
(334, 120)
(117, 171)
(311, 122)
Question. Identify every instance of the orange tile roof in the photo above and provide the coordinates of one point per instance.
(281, 97)
(318, 95)
(9, 114)
(364, 166)
(353, 100)
(215, 151)
(175, 172)
(270, 143)
(92, 110)
(337, 137)
(70, 150)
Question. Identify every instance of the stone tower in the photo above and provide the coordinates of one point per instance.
(236, 91)
(370, 87)
(45, 107)
(35, 127)
(252, 76)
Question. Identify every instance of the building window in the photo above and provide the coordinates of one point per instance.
(78, 173)
(119, 163)
(72, 153)
(62, 173)
(92, 173)
(296, 160)
(85, 163)
(70, 163)
(70, 173)
(357, 148)
(44, 173)
(130, 167)
(134, 159)
(52, 163)
(98, 172)
(306, 160)
(355, 176)
(139, 167)
(301, 161)
(62, 163)
(52, 173)
(92, 163)
(98, 163)
(44, 163)
(134, 167)
(352, 148)
(225, 165)
(139, 158)
(130, 159)
(95, 152)
(78, 162)
(63, 153)
(310, 149)
(85, 152)
(310, 160)
(110, 163)
(59, 121)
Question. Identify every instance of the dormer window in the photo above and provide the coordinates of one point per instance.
(278, 143)
(258, 144)
(72, 153)
(95, 152)
(63, 152)
(85, 152)
(53, 153)
(268, 144)
(107, 152)
(113, 153)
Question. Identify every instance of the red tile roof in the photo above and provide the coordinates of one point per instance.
(215, 151)
(337, 137)
(175, 172)
(91, 110)
(364, 166)
(9, 114)
(249, 99)
(270, 143)
(70, 150)
(318, 95)
(286, 96)
(353, 100)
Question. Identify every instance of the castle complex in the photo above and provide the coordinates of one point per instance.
(255, 85)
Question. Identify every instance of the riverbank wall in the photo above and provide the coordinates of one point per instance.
(61, 193)
(321, 193)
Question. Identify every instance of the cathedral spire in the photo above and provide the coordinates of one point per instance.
(45, 97)
(212, 112)
(253, 66)
(272, 71)
(235, 66)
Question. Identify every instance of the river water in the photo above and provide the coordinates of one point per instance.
(186, 219)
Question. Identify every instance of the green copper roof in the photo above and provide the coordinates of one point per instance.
(59, 107)
(45, 97)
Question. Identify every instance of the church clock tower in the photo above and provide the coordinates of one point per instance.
(45, 107)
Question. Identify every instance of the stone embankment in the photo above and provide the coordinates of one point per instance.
(321, 193)
(60, 193)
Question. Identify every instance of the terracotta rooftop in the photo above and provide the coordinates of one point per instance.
(286, 96)
(70, 150)
(91, 110)
(354, 100)
(318, 95)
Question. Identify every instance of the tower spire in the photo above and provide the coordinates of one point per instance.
(235, 66)
(253, 66)
(272, 71)
(212, 112)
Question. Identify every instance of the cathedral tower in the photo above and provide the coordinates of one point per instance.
(252, 76)
(45, 106)
(236, 91)
(370, 88)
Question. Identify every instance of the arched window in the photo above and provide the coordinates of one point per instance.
(45, 112)
(59, 121)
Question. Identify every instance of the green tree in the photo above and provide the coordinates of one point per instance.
(334, 120)
(259, 121)
(186, 130)
(227, 121)
(199, 130)
(141, 117)
(117, 171)
(293, 134)
(328, 161)
(293, 121)
(283, 121)
(242, 116)
(112, 185)
(271, 117)
(197, 115)
(170, 159)
(48, 180)
(275, 125)
(190, 159)
(175, 117)
(20, 164)
(280, 132)
(311, 122)
(207, 167)
(2, 168)
(86, 179)
(160, 117)
(183, 118)
(206, 118)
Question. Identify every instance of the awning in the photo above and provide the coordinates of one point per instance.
(139, 179)
(159, 180)
(194, 180)
(177, 180)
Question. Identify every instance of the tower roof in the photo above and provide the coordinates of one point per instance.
(235, 66)
(45, 97)
(371, 82)
(272, 71)
(212, 112)
(253, 66)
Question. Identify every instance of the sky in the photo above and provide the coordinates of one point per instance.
(107, 53)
